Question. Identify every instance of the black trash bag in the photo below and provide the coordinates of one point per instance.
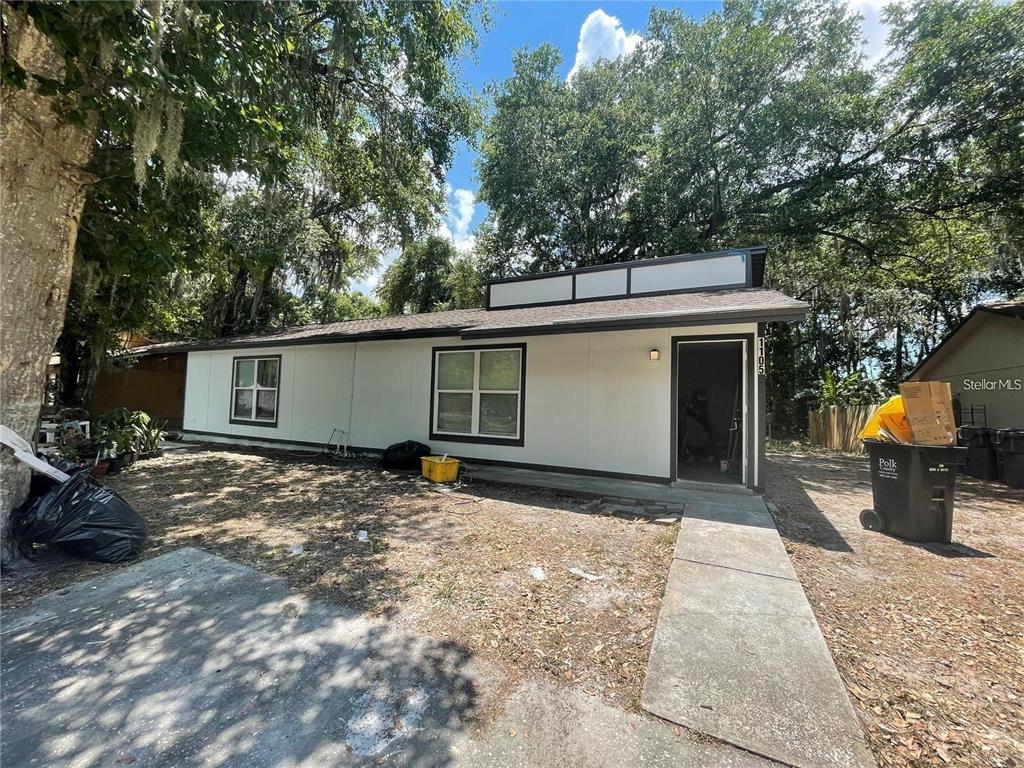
(405, 455)
(40, 484)
(83, 518)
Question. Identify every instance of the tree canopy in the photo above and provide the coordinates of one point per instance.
(429, 276)
(890, 195)
(248, 155)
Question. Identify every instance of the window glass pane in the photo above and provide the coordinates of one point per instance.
(455, 370)
(454, 412)
(266, 403)
(499, 414)
(243, 404)
(244, 370)
(266, 373)
(499, 369)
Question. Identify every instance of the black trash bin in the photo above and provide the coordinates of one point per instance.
(981, 453)
(912, 488)
(1009, 445)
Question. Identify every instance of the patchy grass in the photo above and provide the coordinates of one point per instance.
(455, 565)
(928, 638)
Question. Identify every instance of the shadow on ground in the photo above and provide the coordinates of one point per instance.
(804, 520)
(192, 659)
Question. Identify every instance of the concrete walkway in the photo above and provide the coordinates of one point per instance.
(737, 653)
(190, 659)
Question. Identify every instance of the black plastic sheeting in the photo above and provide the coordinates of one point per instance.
(82, 518)
(405, 455)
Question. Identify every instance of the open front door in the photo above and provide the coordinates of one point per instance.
(710, 406)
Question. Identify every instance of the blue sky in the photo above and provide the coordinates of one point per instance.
(584, 31)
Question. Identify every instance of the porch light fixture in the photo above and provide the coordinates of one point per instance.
(655, 355)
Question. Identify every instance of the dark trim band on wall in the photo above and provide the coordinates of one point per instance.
(275, 440)
(567, 470)
(255, 396)
(464, 459)
(480, 439)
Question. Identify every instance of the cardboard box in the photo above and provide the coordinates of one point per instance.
(929, 408)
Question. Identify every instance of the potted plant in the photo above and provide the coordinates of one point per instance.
(123, 435)
(116, 435)
(152, 439)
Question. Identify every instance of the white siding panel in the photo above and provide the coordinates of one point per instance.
(728, 269)
(320, 392)
(609, 282)
(532, 291)
(629, 403)
(218, 398)
(197, 388)
(382, 412)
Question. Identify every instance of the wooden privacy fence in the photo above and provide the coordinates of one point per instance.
(836, 426)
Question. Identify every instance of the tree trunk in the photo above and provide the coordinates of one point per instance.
(232, 314)
(42, 190)
(94, 357)
(898, 368)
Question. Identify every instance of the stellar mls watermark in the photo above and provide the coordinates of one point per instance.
(988, 385)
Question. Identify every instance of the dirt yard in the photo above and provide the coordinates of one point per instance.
(488, 565)
(929, 639)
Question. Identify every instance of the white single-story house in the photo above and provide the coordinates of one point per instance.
(983, 361)
(649, 369)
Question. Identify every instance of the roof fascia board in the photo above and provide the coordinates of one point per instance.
(677, 321)
(953, 338)
(333, 338)
(950, 341)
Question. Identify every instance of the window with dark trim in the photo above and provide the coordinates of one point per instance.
(254, 390)
(477, 394)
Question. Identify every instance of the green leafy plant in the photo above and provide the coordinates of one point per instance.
(124, 431)
(853, 389)
(152, 437)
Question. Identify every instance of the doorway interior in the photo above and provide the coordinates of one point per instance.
(710, 414)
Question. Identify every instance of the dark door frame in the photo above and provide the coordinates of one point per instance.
(747, 373)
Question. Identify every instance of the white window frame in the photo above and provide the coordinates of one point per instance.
(476, 392)
(256, 388)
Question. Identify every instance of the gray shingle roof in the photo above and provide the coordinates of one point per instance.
(696, 307)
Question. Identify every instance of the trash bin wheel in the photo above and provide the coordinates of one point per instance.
(871, 520)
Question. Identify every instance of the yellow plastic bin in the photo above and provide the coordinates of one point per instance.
(440, 469)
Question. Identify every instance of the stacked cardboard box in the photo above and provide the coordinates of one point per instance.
(929, 409)
(922, 413)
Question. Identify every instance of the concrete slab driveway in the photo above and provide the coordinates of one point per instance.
(189, 659)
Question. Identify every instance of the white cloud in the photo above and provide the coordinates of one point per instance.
(873, 28)
(461, 205)
(602, 37)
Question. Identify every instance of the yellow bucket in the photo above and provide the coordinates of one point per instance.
(440, 469)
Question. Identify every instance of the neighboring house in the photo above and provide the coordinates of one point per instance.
(650, 369)
(152, 382)
(983, 361)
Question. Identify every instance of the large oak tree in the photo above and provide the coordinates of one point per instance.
(196, 87)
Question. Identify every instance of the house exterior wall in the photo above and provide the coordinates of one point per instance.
(989, 349)
(593, 401)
